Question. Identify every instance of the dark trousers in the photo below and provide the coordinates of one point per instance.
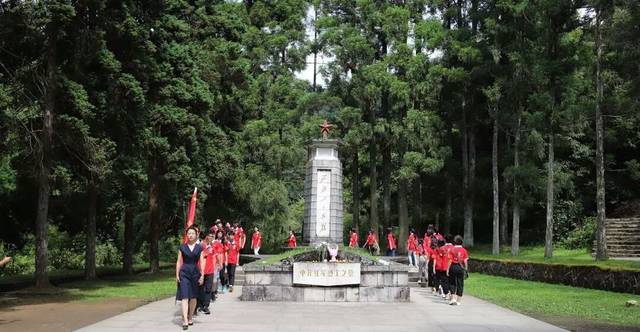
(391, 252)
(223, 280)
(231, 272)
(443, 280)
(456, 272)
(431, 280)
(204, 298)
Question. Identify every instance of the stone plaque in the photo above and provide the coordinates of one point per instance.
(323, 204)
(326, 274)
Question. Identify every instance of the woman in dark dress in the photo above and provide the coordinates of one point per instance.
(189, 275)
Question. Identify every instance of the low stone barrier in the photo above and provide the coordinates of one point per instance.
(578, 276)
(387, 283)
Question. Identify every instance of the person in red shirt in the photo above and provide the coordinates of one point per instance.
(233, 257)
(292, 240)
(256, 241)
(457, 268)
(412, 246)
(242, 237)
(371, 242)
(353, 239)
(209, 271)
(431, 268)
(391, 244)
(441, 265)
(422, 264)
(219, 248)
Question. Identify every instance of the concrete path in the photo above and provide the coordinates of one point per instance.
(425, 312)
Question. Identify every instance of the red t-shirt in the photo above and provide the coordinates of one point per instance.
(442, 260)
(292, 241)
(232, 253)
(256, 240)
(210, 257)
(391, 241)
(458, 254)
(371, 239)
(353, 240)
(411, 243)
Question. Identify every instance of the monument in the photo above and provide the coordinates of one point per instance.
(323, 191)
(325, 271)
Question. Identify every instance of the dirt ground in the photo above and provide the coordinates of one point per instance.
(47, 313)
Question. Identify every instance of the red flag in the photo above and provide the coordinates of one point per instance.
(191, 216)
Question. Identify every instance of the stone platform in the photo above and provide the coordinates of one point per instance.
(378, 283)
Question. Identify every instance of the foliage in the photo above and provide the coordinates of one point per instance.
(582, 236)
(152, 100)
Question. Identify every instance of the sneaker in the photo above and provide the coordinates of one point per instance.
(231, 289)
(206, 311)
(452, 302)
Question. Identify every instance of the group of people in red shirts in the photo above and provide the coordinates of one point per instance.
(206, 267)
(441, 260)
(442, 263)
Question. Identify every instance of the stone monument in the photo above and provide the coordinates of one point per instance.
(323, 191)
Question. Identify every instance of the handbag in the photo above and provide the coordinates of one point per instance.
(466, 274)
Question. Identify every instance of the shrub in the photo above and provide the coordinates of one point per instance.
(582, 236)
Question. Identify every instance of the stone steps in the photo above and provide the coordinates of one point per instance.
(623, 237)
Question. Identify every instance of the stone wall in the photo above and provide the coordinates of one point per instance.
(577, 276)
(384, 283)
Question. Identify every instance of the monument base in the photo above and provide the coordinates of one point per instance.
(378, 283)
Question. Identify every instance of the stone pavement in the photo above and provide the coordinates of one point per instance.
(425, 312)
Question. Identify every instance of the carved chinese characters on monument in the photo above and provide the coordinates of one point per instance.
(323, 203)
(326, 274)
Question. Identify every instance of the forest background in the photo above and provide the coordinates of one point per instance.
(497, 120)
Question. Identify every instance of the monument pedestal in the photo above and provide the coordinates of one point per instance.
(323, 204)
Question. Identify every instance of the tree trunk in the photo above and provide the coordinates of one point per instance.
(468, 214)
(90, 250)
(417, 190)
(44, 189)
(448, 216)
(386, 187)
(373, 178)
(403, 215)
(355, 187)
(154, 216)
(468, 238)
(515, 228)
(504, 211)
(601, 239)
(127, 258)
(496, 188)
(548, 241)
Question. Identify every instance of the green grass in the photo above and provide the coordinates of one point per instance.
(143, 286)
(535, 254)
(277, 258)
(547, 300)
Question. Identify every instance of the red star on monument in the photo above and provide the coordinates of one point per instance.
(324, 129)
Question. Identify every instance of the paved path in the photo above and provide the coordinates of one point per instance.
(424, 313)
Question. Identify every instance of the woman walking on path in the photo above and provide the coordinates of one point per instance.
(457, 269)
(233, 257)
(189, 275)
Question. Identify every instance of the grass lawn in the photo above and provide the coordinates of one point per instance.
(535, 254)
(142, 286)
(555, 301)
